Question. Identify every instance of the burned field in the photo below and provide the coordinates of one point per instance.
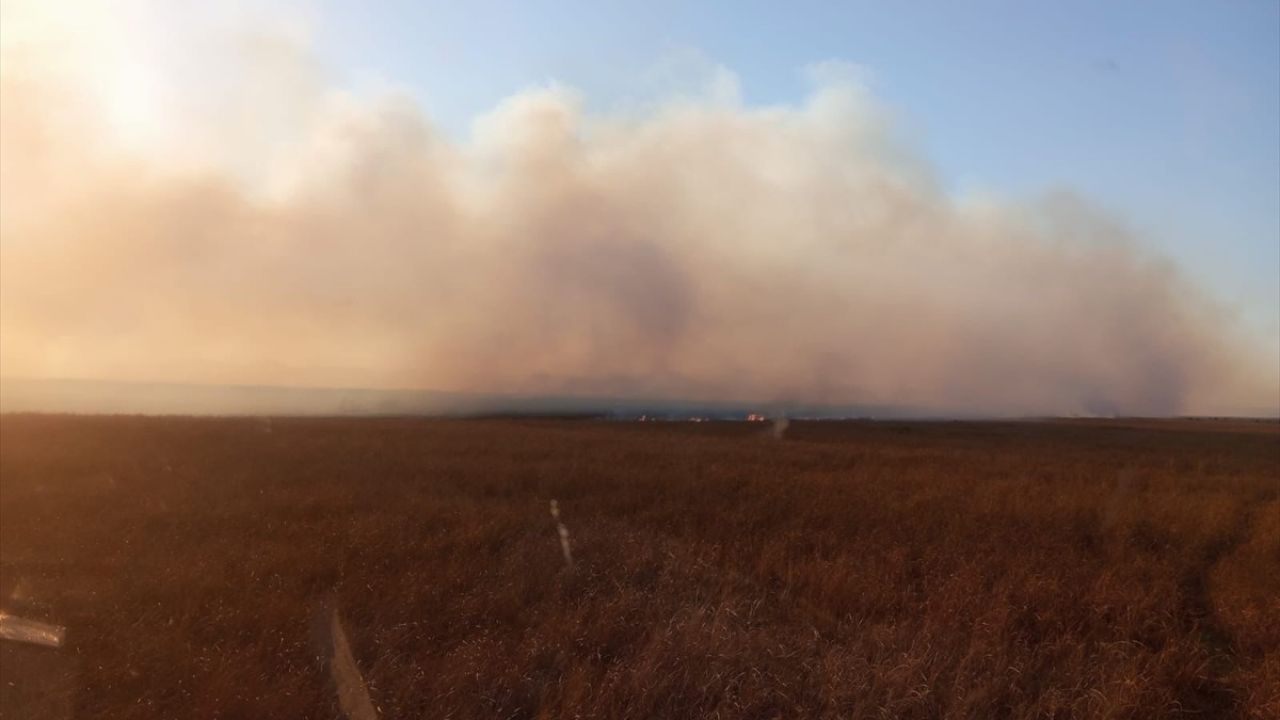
(854, 570)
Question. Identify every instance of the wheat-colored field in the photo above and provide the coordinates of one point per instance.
(851, 570)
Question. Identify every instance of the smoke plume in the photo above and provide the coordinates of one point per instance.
(283, 231)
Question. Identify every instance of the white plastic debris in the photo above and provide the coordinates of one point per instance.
(23, 630)
(353, 695)
(564, 535)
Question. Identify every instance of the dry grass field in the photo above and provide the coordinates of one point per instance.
(850, 570)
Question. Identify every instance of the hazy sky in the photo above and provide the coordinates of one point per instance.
(1022, 208)
(1168, 112)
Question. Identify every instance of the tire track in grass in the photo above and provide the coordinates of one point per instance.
(1216, 696)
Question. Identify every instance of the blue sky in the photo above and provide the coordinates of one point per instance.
(1166, 113)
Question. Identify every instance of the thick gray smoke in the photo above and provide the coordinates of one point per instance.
(700, 249)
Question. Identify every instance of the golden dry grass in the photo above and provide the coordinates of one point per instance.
(853, 570)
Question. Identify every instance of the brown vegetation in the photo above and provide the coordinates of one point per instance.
(857, 570)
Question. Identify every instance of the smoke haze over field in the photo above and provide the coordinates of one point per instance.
(263, 227)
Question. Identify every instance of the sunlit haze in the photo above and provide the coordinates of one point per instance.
(392, 196)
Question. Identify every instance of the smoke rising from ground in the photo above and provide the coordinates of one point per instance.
(698, 249)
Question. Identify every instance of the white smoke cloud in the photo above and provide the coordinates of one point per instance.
(285, 232)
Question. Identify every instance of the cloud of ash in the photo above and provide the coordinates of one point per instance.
(297, 234)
